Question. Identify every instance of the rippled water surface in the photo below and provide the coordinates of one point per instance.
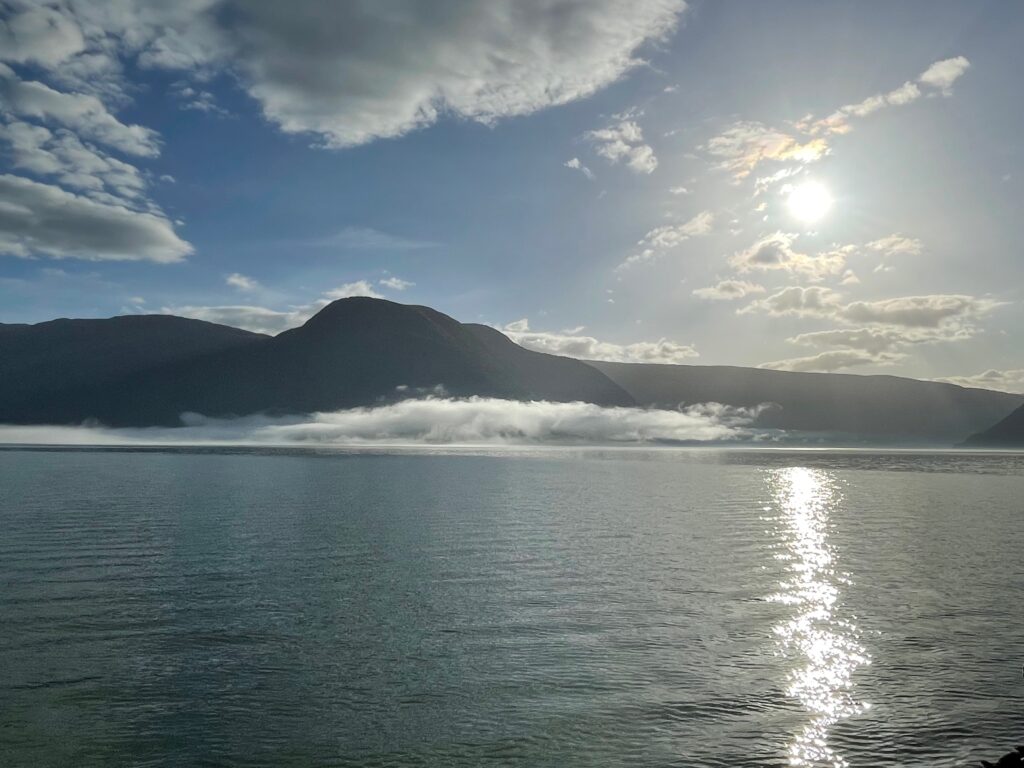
(521, 608)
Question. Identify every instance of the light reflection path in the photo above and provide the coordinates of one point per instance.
(821, 643)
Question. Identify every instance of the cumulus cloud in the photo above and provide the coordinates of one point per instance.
(241, 282)
(1011, 380)
(942, 74)
(83, 113)
(728, 290)
(663, 239)
(919, 311)
(798, 301)
(38, 35)
(576, 165)
(428, 421)
(396, 283)
(42, 218)
(623, 142)
(573, 343)
(777, 252)
(350, 73)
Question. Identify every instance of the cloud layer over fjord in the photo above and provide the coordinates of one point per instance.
(428, 421)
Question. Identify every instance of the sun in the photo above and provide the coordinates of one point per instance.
(809, 201)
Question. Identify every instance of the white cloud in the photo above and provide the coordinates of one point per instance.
(573, 344)
(351, 73)
(796, 300)
(250, 318)
(830, 361)
(576, 165)
(396, 283)
(368, 239)
(897, 245)
(777, 252)
(358, 288)
(728, 290)
(428, 421)
(663, 239)
(623, 142)
(41, 218)
(1011, 380)
(63, 155)
(83, 113)
(942, 74)
(38, 35)
(678, 191)
(745, 144)
(919, 311)
(241, 282)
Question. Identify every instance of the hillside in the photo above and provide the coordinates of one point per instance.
(860, 407)
(1008, 433)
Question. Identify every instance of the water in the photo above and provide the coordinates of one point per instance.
(524, 608)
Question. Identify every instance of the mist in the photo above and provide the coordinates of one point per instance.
(426, 421)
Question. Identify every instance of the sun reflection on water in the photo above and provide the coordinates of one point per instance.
(820, 641)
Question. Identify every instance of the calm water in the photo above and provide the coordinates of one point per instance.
(547, 608)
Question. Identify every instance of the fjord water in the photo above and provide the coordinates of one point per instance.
(529, 608)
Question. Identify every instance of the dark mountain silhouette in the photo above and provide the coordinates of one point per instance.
(149, 370)
(1008, 433)
(860, 407)
(356, 351)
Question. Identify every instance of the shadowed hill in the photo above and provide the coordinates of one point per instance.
(863, 407)
(356, 351)
(1008, 433)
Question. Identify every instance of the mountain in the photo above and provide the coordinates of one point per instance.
(843, 407)
(1008, 433)
(354, 352)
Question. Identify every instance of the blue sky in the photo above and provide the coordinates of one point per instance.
(805, 185)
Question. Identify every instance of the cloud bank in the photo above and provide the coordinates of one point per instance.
(428, 421)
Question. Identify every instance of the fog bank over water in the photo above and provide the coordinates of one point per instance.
(432, 420)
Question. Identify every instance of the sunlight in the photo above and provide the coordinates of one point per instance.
(809, 201)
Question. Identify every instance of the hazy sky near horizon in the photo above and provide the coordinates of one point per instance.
(831, 186)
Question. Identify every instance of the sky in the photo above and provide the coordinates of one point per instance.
(811, 186)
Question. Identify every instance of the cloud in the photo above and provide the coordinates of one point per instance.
(678, 191)
(427, 421)
(251, 318)
(776, 252)
(663, 239)
(1004, 381)
(623, 142)
(728, 290)
(41, 218)
(396, 283)
(919, 311)
(83, 113)
(358, 288)
(38, 35)
(368, 239)
(746, 144)
(241, 282)
(942, 74)
(798, 301)
(897, 245)
(576, 165)
(62, 155)
(573, 344)
(350, 73)
(828, 362)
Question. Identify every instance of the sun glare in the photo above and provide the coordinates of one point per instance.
(809, 201)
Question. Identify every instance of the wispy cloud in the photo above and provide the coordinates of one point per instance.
(573, 343)
(576, 165)
(368, 239)
(666, 238)
(623, 142)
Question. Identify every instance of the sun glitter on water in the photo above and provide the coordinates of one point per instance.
(810, 201)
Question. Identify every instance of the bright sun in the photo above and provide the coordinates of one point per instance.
(809, 201)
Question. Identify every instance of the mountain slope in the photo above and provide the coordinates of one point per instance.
(1008, 433)
(50, 361)
(354, 352)
(885, 407)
